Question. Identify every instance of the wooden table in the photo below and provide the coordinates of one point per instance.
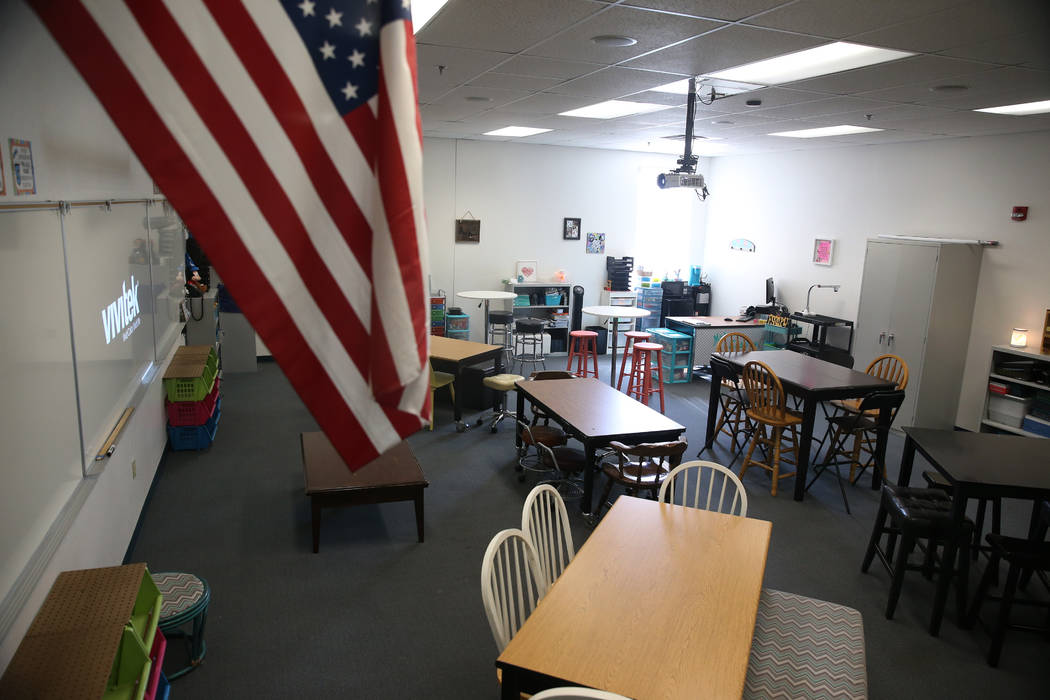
(392, 476)
(660, 602)
(595, 414)
(706, 331)
(977, 465)
(814, 381)
(450, 354)
(614, 314)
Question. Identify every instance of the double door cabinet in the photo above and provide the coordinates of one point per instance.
(917, 302)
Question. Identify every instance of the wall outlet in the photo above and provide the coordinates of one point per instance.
(134, 472)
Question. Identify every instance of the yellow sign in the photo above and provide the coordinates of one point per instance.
(778, 321)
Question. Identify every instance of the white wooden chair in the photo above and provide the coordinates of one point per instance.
(545, 522)
(705, 485)
(511, 584)
(573, 693)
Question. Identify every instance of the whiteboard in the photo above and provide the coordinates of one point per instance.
(38, 414)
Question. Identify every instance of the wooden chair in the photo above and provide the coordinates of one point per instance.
(652, 462)
(438, 380)
(545, 522)
(694, 484)
(768, 410)
(511, 584)
(732, 418)
(889, 367)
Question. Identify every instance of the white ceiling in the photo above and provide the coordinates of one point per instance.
(486, 64)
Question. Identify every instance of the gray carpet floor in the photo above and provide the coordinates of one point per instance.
(377, 615)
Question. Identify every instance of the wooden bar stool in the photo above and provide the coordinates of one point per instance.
(583, 345)
(632, 337)
(640, 384)
(768, 409)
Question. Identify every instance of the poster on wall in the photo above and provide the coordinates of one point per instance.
(570, 229)
(595, 242)
(3, 183)
(23, 177)
(468, 230)
(525, 271)
(823, 249)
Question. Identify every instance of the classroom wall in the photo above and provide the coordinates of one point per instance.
(957, 188)
(78, 154)
(522, 192)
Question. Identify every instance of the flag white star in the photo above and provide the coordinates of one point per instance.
(357, 59)
(335, 19)
(364, 26)
(350, 91)
(307, 7)
(327, 50)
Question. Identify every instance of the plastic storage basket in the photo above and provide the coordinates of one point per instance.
(195, 437)
(193, 412)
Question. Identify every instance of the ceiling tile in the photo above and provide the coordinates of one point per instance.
(1028, 49)
(971, 123)
(496, 97)
(514, 82)
(770, 97)
(613, 82)
(841, 18)
(502, 25)
(816, 108)
(986, 89)
(546, 103)
(459, 66)
(652, 30)
(907, 71)
(968, 23)
(731, 10)
(725, 48)
(547, 67)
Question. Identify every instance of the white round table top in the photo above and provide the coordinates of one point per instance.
(616, 311)
(481, 294)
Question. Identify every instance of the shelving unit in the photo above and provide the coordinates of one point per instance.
(1035, 386)
(437, 315)
(676, 358)
(556, 316)
(95, 636)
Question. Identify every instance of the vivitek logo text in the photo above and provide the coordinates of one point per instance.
(122, 315)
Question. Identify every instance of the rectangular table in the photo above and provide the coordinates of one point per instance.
(707, 330)
(451, 354)
(392, 476)
(595, 414)
(977, 465)
(813, 381)
(660, 602)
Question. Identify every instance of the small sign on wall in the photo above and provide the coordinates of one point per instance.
(823, 250)
(23, 176)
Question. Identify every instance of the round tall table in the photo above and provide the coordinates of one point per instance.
(615, 313)
(486, 297)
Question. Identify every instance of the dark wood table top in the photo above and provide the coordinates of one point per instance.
(806, 373)
(596, 409)
(326, 472)
(986, 459)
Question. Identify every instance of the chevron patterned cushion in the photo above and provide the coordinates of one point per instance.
(180, 591)
(806, 648)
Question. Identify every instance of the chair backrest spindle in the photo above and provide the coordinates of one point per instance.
(696, 483)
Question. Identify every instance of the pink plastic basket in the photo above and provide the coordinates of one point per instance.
(192, 412)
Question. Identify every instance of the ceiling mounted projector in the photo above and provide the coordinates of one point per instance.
(666, 180)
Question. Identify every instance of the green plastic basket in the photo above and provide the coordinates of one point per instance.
(192, 388)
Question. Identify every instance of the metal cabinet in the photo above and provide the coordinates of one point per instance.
(916, 302)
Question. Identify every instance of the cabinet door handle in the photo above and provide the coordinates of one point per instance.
(882, 337)
(889, 340)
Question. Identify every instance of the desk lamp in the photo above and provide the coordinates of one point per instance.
(834, 287)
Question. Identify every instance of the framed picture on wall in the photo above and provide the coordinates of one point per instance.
(571, 230)
(823, 249)
(596, 243)
(468, 230)
(525, 271)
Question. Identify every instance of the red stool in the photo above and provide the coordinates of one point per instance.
(583, 345)
(640, 385)
(632, 338)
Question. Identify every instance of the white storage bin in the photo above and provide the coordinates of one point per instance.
(1007, 409)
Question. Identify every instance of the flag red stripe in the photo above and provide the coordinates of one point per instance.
(272, 81)
(363, 127)
(96, 60)
(397, 202)
(222, 121)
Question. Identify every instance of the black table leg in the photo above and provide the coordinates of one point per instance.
(713, 404)
(510, 685)
(457, 406)
(907, 460)
(951, 548)
(521, 418)
(809, 414)
(586, 506)
(882, 428)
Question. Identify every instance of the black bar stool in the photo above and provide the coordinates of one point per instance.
(501, 332)
(528, 344)
(913, 515)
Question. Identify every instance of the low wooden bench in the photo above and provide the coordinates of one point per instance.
(393, 476)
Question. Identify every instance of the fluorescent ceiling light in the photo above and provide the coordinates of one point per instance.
(611, 109)
(515, 131)
(726, 87)
(1019, 110)
(829, 58)
(825, 131)
(423, 11)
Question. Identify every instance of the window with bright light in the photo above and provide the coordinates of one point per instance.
(666, 227)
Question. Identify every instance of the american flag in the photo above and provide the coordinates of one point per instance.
(287, 137)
